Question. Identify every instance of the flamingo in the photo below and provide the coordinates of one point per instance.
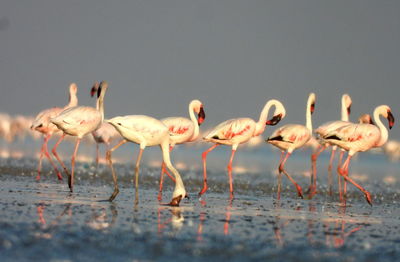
(145, 131)
(323, 130)
(290, 137)
(79, 121)
(359, 138)
(106, 133)
(183, 130)
(238, 131)
(43, 125)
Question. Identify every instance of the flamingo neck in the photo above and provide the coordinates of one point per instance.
(261, 124)
(73, 99)
(384, 132)
(308, 115)
(179, 186)
(195, 123)
(344, 114)
(100, 103)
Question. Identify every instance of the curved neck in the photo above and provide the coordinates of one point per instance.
(344, 114)
(100, 103)
(195, 123)
(381, 126)
(261, 124)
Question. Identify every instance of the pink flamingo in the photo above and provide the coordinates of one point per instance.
(145, 131)
(183, 130)
(290, 137)
(323, 130)
(79, 121)
(359, 138)
(238, 131)
(43, 125)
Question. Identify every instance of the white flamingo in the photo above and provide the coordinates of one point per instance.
(290, 137)
(79, 121)
(238, 131)
(323, 130)
(145, 131)
(43, 125)
(359, 138)
(106, 133)
(183, 130)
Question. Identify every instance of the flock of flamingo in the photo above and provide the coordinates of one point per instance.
(80, 121)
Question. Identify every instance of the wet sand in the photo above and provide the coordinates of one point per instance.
(42, 221)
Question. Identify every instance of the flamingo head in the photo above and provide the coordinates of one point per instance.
(346, 100)
(73, 88)
(366, 119)
(275, 120)
(311, 102)
(197, 107)
(94, 89)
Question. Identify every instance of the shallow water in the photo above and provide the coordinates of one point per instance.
(43, 221)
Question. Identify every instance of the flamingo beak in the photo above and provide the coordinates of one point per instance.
(349, 110)
(390, 119)
(93, 91)
(201, 116)
(274, 120)
(312, 108)
(98, 92)
(175, 201)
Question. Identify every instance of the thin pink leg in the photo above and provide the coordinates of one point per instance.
(282, 170)
(71, 178)
(204, 157)
(340, 177)
(54, 151)
(46, 153)
(330, 184)
(230, 173)
(97, 155)
(40, 159)
(280, 176)
(344, 173)
(313, 185)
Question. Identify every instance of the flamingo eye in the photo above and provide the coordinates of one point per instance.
(119, 124)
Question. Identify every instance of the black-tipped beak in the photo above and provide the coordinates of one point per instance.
(390, 119)
(201, 116)
(349, 110)
(312, 108)
(99, 91)
(93, 91)
(274, 120)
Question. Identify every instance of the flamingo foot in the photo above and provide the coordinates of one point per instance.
(38, 177)
(175, 201)
(59, 176)
(205, 187)
(114, 194)
(159, 197)
(299, 191)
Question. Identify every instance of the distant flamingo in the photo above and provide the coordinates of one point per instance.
(106, 133)
(145, 131)
(79, 121)
(321, 131)
(182, 130)
(359, 138)
(238, 131)
(43, 125)
(290, 137)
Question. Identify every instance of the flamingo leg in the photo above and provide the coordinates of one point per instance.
(97, 156)
(46, 153)
(313, 184)
(108, 158)
(330, 183)
(344, 173)
(340, 177)
(54, 151)
(40, 160)
(280, 176)
(230, 173)
(204, 157)
(137, 167)
(71, 177)
(282, 170)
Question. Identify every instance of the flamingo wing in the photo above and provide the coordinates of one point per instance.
(240, 128)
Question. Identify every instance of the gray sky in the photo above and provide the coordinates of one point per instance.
(233, 55)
